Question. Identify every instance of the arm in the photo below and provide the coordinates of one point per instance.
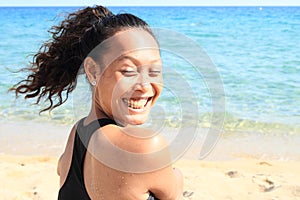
(64, 161)
(59, 165)
(168, 184)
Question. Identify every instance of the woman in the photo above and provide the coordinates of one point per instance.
(106, 157)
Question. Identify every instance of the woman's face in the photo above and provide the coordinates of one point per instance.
(132, 79)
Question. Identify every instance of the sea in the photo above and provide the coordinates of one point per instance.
(239, 64)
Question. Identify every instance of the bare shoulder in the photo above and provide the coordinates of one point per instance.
(146, 149)
(140, 155)
(135, 139)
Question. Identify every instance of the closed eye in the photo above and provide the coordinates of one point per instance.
(154, 73)
(129, 72)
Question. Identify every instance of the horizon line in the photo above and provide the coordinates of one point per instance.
(234, 5)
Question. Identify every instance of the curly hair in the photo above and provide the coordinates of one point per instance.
(54, 69)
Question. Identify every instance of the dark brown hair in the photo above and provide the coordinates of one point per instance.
(54, 68)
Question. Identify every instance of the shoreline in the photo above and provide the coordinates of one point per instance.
(49, 139)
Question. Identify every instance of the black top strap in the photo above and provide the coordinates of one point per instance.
(74, 187)
(85, 132)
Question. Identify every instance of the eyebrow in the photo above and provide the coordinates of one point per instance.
(124, 57)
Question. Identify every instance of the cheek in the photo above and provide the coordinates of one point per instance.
(125, 84)
(105, 89)
(103, 96)
(157, 90)
(158, 85)
(121, 88)
(108, 85)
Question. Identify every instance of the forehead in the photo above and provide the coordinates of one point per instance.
(134, 42)
(133, 39)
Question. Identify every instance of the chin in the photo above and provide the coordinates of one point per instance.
(135, 120)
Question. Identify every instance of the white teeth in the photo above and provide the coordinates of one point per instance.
(136, 103)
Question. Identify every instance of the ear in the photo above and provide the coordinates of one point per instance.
(91, 68)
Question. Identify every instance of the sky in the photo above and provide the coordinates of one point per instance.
(150, 2)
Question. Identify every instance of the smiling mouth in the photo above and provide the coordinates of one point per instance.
(137, 103)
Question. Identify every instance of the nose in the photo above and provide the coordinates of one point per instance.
(143, 83)
(142, 86)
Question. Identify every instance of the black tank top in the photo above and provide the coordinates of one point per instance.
(74, 187)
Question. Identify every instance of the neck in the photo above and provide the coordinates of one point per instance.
(96, 112)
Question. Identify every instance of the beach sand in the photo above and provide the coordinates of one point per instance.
(34, 177)
(31, 173)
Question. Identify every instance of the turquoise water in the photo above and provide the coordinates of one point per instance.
(256, 51)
